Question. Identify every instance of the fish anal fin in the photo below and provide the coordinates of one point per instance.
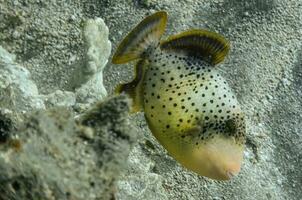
(134, 89)
(145, 34)
(200, 43)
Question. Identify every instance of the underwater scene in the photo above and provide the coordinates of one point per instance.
(151, 100)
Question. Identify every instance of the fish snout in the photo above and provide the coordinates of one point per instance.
(219, 159)
(228, 164)
(232, 170)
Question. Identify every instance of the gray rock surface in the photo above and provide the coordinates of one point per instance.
(17, 91)
(50, 156)
(264, 69)
(59, 98)
(89, 76)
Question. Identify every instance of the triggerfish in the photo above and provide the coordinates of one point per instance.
(188, 105)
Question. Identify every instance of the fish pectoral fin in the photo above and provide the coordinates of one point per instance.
(134, 88)
(200, 43)
(145, 34)
(193, 130)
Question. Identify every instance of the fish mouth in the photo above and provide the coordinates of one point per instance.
(218, 159)
(232, 169)
(230, 174)
(227, 166)
(224, 172)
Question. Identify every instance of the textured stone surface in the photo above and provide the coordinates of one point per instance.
(52, 157)
(17, 90)
(264, 69)
(59, 98)
(89, 75)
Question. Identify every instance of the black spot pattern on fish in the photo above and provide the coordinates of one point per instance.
(186, 92)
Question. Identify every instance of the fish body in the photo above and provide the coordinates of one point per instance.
(188, 105)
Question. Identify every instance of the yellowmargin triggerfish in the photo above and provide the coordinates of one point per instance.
(188, 105)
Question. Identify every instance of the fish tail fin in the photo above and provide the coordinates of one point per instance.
(200, 43)
(134, 88)
(144, 35)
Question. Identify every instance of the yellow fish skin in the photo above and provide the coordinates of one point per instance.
(188, 105)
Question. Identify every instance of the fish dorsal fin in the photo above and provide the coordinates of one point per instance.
(145, 34)
(201, 43)
(134, 88)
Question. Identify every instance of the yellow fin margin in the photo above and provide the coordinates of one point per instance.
(146, 33)
(201, 43)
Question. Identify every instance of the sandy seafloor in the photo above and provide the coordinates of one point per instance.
(264, 68)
